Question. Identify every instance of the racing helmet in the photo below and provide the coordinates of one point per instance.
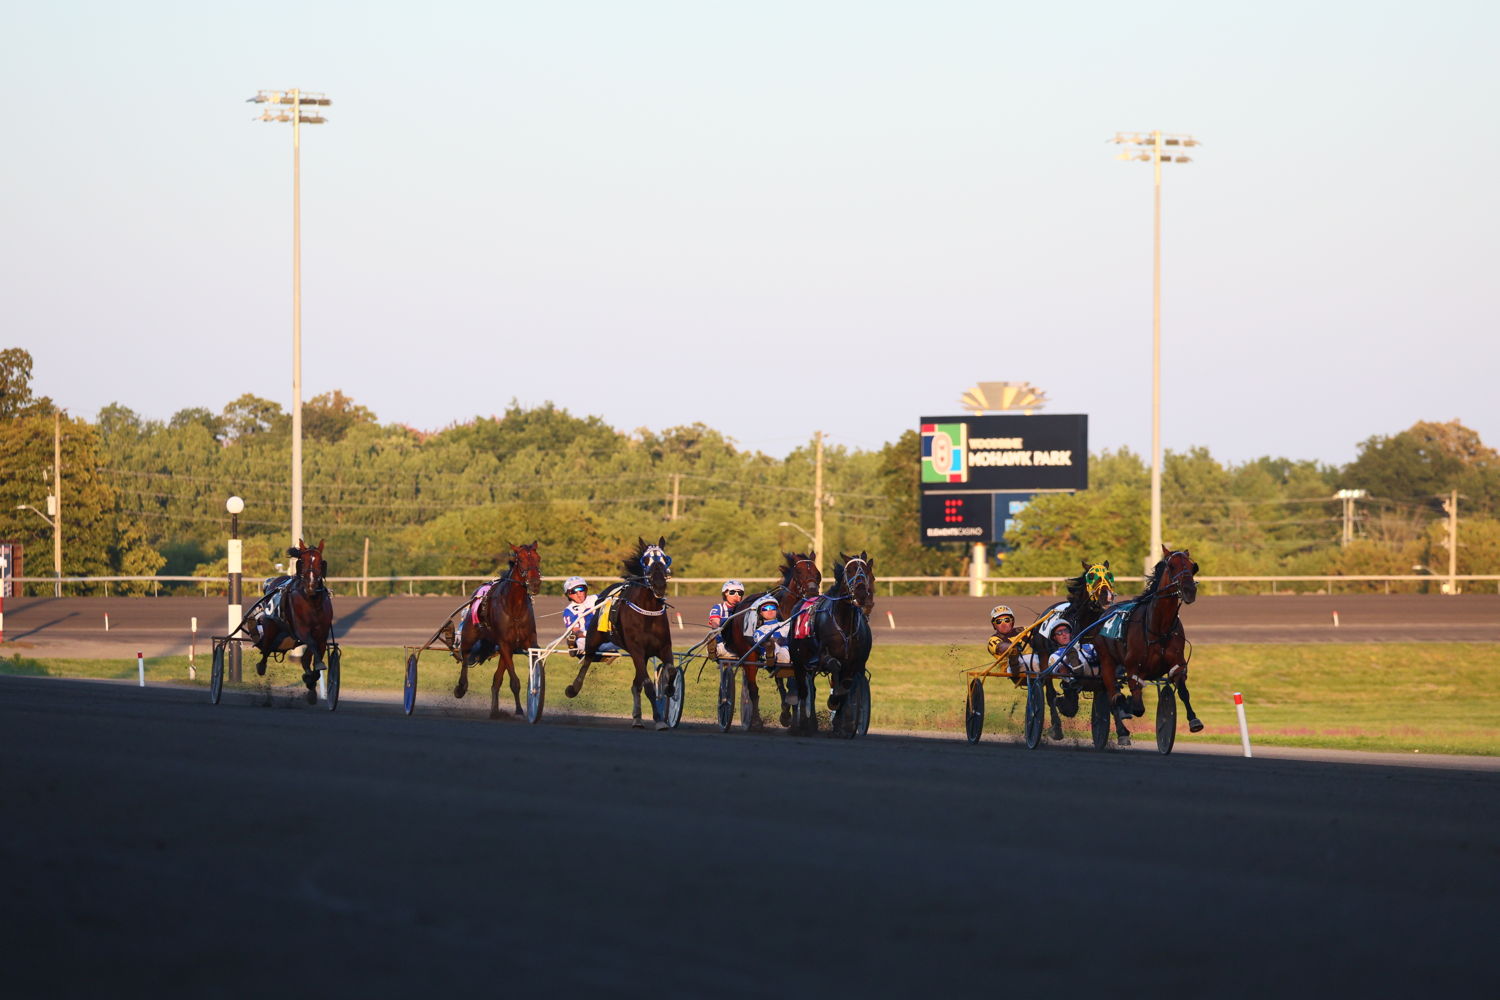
(573, 582)
(767, 606)
(732, 585)
(999, 611)
(1055, 624)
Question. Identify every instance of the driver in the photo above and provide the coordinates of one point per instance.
(771, 633)
(733, 593)
(1081, 659)
(578, 613)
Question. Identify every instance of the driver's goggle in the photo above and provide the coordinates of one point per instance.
(734, 593)
(1003, 618)
(579, 590)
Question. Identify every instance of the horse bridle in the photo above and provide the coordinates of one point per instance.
(864, 575)
(1175, 583)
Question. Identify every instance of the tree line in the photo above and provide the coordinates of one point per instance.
(144, 497)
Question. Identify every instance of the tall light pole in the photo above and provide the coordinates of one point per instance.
(1151, 147)
(797, 527)
(286, 106)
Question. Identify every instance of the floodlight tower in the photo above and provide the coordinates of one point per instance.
(286, 106)
(1151, 147)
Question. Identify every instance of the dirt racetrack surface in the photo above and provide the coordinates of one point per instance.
(74, 626)
(153, 842)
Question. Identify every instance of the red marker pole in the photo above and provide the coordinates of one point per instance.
(140, 666)
(1239, 707)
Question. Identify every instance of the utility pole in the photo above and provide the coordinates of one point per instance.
(676, 489)
(364, 574)
(57, 490)
(818, 502)
(1348, 497)
(1450, 505)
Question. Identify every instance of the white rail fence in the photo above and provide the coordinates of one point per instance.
(945, 585)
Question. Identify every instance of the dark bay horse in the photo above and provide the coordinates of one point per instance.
(504, 624)
(800, 580)
(636, 613)
(300, 615)
(1151, 643)
(838, 637)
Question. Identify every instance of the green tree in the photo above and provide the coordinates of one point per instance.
(16, 399)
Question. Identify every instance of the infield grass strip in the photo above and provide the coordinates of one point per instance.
(1394, 697)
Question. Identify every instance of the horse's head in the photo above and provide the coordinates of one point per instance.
(654, 565)
(1098, 582)
(526, 566)
(800, 575)
(857, 576)
(309, 568)
(1178, 572)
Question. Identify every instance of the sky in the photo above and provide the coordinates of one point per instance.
(770, 217)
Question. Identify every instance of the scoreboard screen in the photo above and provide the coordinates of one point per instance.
(958, 517)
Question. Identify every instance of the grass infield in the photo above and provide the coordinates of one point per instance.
(1397, 697)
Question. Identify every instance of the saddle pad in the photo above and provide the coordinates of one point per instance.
(478, 602)
(606, 607)
(803, 628)
(1113, 625)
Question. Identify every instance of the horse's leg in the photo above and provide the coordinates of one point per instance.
(502, 664)
(1108, 677)
(1057, 732)
(515, 683)
(464, 646)
(752, 689)
(1137, 703)
(1195, 724)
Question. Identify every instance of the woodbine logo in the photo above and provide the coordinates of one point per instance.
(948, 453)
(996, 451)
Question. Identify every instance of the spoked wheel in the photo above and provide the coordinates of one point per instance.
(857, 706)
(1099, 720)
(216, 675)
(331, 674)
(974, 710)
(1166, 718)
(1036, 712)
(807, 710)
(671, 705)
(409, 691)
(726, 698)
(536, 688)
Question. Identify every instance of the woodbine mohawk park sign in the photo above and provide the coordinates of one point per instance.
(977, 470)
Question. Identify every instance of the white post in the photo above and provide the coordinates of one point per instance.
(976, 570)
(140, 666)
(106, 621)
(890, 618)
(296, 317)
(1239, 707)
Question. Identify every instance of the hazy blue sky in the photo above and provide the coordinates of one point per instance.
(770, 217)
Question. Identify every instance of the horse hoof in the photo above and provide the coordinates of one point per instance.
(1195, 725)
(661, 726)
(260, 668)
(570, 691)
(460, 691)
(1123, 739)
(494, 713)
(1068, 706)
(312, 696)
(786, 717)
(1057, 733)
(636, 723)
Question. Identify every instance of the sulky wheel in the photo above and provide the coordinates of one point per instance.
(536, 688)
(1166, 718)
(671, 705)
(747, 705)
(1099, 720)
(1036, 712)
(216, 675)
(409, 689)
(726, 698)
(859, 703)
(974, 710)
(331, 675)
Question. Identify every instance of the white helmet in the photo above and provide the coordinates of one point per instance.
(732, 585)
(1055, 624)
(574, 582)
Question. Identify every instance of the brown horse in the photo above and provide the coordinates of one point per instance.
(298, 612)
(637, 623)
(1151, 643)
(504, 623)
(839, 640)
(800, 579)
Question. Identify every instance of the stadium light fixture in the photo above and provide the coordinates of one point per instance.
(286, 106)
(1146, 147)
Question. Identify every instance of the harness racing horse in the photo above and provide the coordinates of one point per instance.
(1151, 643)
(800, 580)
(838, 639)
(636, 613)
(301, 616)
(503, 622)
